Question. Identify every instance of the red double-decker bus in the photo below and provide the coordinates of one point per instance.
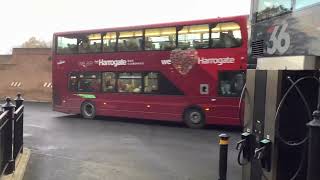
(190, 71)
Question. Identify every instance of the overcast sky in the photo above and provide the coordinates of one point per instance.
(21, 19)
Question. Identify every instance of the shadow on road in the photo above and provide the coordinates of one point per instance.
(150, 122)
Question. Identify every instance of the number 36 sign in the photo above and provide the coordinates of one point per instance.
(279, 40)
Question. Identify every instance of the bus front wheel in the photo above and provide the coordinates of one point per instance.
(194, 118)
(88, 110)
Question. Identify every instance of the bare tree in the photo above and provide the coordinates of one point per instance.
(34, 43)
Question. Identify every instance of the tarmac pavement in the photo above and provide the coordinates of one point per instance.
(67, 147)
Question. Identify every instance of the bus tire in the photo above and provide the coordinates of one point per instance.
(88, 110)
(194, 118)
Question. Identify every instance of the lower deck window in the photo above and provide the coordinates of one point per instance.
(88, 85)
(151, 82)
(122, 82)
(130, 82)
(73, 82)
(231, 83)
(108, 82)
(84, 82)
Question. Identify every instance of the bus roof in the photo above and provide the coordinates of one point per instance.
(125, 28)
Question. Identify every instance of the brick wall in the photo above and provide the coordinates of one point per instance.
(28, 70)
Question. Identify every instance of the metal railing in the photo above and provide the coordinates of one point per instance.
(11, 134)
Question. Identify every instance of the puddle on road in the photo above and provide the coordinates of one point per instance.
(35, 126)
(45, 148)
(27, 135)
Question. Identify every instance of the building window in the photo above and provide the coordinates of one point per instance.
(196, 36)
(231, 83)
(89, 82)
(89, 43)
(271, 8)
(109, 42)
(108, 82)
(151, 82)
(160, 39)
(130, 82)
(66, 45)
(130, 41)
(226, 35)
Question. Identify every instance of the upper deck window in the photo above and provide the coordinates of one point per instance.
(89, 43)
(130, 41)
(226, 35)
(270, 8)
(66, 45)
(160, 39)
(109, 42)
(304, 3)
(196, 36)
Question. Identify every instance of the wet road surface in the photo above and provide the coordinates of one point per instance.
(67, 147)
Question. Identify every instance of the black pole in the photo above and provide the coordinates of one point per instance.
(314, 144)
(19, 102)
(223, 158)
(8, 106)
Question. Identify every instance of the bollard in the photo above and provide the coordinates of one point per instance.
(19, 100)
(223, 158)
(314, 147)
(8, 106)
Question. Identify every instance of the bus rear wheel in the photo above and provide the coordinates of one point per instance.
(88, 110)
(194, 118)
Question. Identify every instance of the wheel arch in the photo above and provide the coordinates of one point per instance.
(87, 101)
